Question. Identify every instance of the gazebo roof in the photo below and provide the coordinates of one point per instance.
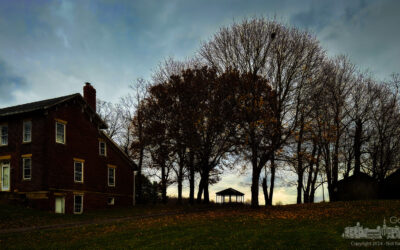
(230, 191)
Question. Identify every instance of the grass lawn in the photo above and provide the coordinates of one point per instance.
(318, 226)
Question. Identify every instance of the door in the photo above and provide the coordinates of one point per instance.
(5, 176)
(60, 205)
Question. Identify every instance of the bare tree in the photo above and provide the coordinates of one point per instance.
(112, 116)
(134, 128)
(384, 144)
(285, 56)
(336, 83)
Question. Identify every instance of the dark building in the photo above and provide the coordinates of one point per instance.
(356, 187)
(55, 154)
(390, 188)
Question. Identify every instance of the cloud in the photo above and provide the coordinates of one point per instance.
(9, 83)
(369, 37)
(319, 14)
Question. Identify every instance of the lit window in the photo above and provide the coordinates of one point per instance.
(60, 132)
(110, 201)
(3, 135)
(78, 204)
(27, 168)
(111, 176)
(78, 171)
(102, 148)
(27, 131)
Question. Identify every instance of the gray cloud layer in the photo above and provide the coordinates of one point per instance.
(9, 83)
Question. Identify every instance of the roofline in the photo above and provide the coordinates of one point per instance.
(127, 158)
(67, 98)
(105, 126)
(230, 189)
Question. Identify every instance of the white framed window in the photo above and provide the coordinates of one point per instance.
(60, 131)
(110, 201)
(102, 148)
(27, 131)
(78, 170)
(111, 176)
(78, 203)
(4, 135)
(26, 167)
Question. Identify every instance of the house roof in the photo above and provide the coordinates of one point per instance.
(120, 150)
(230, 191)
(356, 177)
(46, 104)
(393, 176)
(28, 107)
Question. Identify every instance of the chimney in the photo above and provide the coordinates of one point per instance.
(89, 94)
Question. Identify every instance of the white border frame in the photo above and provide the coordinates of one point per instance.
(83, 171)
(81, 204)
(108, 176)
(65, 132)
(23, 131)
(23, 168)
(1, 135)
(105, 148)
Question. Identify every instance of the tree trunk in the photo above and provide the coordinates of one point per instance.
(191, 178)
(306, 194)
(163, 185)
(357, 147)
(265, 190)
(310, 175)
(314, 180)
(272, 185)
(374, 163)
(201, 187)
(332, 194)
(348, 166)
(335, 167)
(300, 170)
(180, 179)
(180, 176)
(139, 180)
(254, 185)
(299, 186)
(206, 184)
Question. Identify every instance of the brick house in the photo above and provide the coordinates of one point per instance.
(55, 154)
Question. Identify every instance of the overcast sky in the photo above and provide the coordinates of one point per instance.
(50, 48)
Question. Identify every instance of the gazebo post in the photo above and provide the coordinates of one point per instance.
(230, 201)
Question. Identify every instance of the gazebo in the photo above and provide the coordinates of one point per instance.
(229, 192)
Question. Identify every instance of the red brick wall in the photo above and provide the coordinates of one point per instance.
(53, 164)
(16, 148)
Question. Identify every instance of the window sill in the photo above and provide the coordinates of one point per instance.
(26, 142)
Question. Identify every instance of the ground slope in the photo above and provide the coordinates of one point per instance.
(318, 226)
